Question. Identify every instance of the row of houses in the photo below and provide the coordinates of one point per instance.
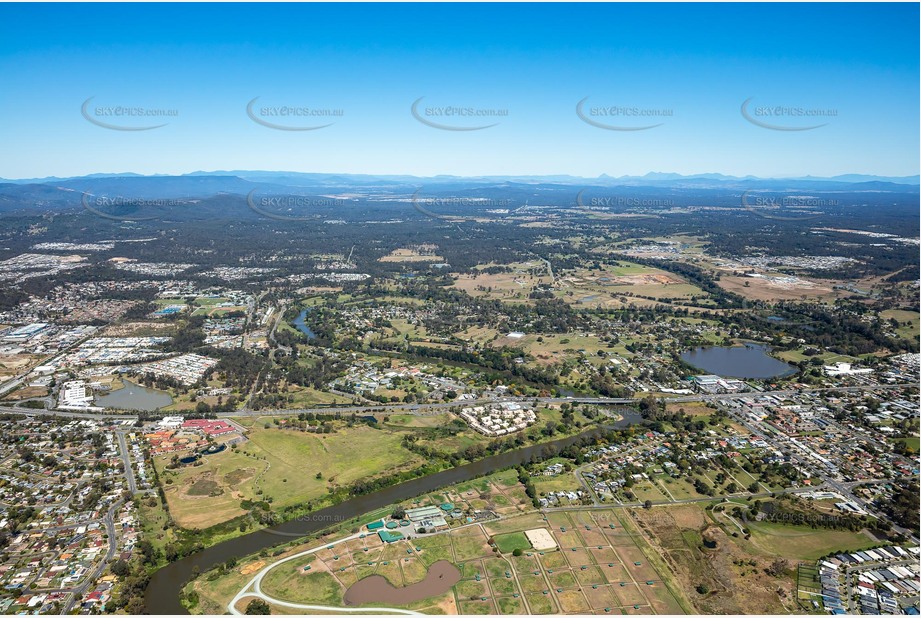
(884, 580)
(186, 368)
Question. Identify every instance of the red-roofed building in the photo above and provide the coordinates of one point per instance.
(208, 426)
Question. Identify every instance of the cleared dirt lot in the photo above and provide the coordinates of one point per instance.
(765, 289)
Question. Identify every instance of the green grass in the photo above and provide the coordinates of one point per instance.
(540, 603)
(803, 542)
(283, 465)
(468, 544)
(214, 594)
(647, 491)
(414, 420)
(305, 396)
(344, 456)
(469, 437)
(511, 605)
(288, 582)
(505, 478)
(911, 331)
(561, 482)
(507, 543)
(152, 519)
(913, 443)
(796, 355)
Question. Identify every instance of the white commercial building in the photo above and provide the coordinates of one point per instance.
(844, 369)
(74, 396)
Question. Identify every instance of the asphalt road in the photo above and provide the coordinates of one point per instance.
(414, 408)
(90, 579)
(619, 505)
(126, 459)
(840, 487)
(17, 380)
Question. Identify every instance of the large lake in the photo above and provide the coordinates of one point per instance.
(750, 361)
(134, 397)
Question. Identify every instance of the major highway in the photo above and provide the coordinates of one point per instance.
(421, 408)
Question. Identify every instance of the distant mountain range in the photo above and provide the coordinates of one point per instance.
(51, 194)
(655, 178)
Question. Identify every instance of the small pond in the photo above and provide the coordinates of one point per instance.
(301, 326)
(441, 576)
(134, 397)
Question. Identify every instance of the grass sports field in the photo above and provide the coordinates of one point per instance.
(803, 542)
(508, 543)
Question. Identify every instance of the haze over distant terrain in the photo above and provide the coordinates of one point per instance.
(561, 190)
(649, 178)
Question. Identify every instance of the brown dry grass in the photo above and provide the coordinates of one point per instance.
(502, 284)
(252, 567)
(736, 585)
(26, 393)
(412, 255)
(131, 329)
(761, 289)
(691, 408)
(17, 362)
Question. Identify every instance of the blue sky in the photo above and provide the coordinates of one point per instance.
(691, 66)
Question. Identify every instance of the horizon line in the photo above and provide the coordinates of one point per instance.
(652, 174)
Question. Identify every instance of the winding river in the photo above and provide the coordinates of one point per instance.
(162, 595)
